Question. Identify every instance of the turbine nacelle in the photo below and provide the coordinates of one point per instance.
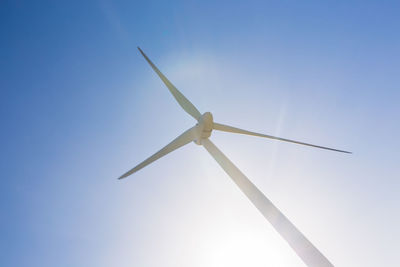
(204, 127)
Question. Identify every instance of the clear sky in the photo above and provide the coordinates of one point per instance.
(79, 106)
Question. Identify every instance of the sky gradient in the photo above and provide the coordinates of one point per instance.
(79, 106)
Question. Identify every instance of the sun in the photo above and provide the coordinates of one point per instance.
(243, 243)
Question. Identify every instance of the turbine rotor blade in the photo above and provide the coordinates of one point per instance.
(226, 128)
(185, 138)
(310, 255)
(182, 100)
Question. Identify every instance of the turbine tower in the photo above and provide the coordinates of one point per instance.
(200, 134)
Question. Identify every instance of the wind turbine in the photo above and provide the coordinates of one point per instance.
(200, 134)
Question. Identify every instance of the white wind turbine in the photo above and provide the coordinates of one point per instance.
(200, 134)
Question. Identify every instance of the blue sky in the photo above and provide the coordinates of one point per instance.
(80, 106)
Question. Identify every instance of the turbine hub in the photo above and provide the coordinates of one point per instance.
(205, 127)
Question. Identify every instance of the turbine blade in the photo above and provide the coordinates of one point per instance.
(181, 140)
(310, 255)
(182, 100)
(226, 128)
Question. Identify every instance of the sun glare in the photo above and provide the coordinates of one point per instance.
(243, 244)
